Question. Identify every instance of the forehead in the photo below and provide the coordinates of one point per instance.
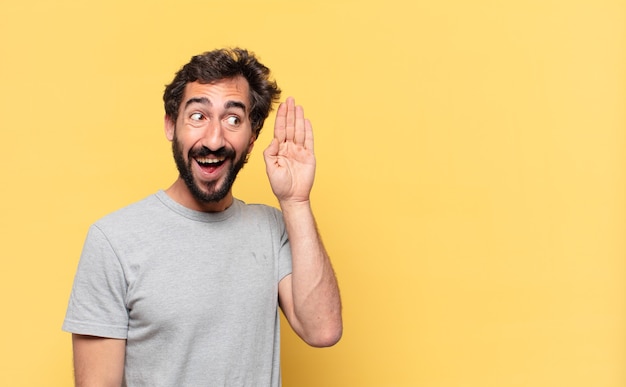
(219, 92)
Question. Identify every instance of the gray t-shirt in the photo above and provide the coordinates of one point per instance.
(194, 294)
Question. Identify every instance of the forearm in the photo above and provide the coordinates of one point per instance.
(316, 299)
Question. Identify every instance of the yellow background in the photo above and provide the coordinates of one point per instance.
(470, 189)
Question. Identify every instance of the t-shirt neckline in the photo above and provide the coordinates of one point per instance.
(198, 215)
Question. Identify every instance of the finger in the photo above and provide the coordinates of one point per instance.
(280, 123)
(299, 134)
(290, 120)
(308, 139)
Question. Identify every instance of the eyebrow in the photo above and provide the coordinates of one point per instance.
(200, 100)
(206, 101)
(235, 104)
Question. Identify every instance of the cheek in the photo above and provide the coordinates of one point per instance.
(250, 146)
(188, 139)
(184, 143)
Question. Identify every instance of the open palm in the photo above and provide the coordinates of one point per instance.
(289, 159)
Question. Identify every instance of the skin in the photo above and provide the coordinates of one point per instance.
(98, 361)
(209, 122)
(309, 297)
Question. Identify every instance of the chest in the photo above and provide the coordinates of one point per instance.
(205, 282)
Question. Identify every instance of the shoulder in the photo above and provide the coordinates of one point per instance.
(261, 223)
(260, 210)
(139, 207)
(143, 212)
(264, 216)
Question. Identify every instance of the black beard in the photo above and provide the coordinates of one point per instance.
(212, 192)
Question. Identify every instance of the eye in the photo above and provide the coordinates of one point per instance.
(233, 120)
(196, 116)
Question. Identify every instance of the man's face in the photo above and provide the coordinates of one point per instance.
(212, 137)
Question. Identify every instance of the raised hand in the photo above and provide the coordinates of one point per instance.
(289, 159)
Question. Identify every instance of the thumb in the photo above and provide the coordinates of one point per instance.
(271, 150)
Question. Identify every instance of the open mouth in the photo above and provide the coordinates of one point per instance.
(210, 163)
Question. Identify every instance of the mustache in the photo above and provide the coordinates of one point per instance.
(204, 152)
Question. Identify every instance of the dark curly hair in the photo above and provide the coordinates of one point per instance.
(220, 64)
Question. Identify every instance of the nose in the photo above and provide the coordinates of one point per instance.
(214, 136)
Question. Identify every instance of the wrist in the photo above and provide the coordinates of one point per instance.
(294, 205)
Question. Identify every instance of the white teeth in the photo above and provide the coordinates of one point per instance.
(206, 160)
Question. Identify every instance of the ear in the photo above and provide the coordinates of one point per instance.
(170, 127)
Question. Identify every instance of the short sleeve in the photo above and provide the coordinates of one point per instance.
(97, 305)
(284, 248)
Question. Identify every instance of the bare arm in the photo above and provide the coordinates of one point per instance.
(98, 361)
(309, 297)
